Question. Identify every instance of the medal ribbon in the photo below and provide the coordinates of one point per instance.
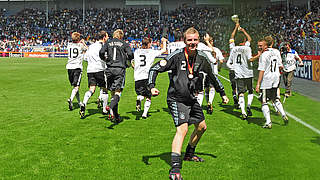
(190, 68)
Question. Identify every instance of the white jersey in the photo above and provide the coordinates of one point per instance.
(143, 60)
(208, 51)
(175, 45)
(75, 55)
(95, 64)
(239, 61)
(269, 62)
(290, 61)
(232, 45)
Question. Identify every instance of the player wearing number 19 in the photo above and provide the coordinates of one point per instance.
(117, 54)
(143, 60)
(239, 61)
(76, 49)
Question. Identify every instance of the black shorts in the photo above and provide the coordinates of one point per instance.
(185, 113)
(141, 88)
(268, 94)
(115, 78)
(97, 79)
(244, 84)
(75, 76)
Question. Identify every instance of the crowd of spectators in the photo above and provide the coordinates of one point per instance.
(30, 26)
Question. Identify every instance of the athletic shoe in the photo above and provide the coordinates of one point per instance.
(144, 116)
(244, 117)
(70, 104)
(82, 111)
(249, 113)
(267, 126)
(209, 108)
(138, 106)
(174, 174)
(194, 158)
(285, 120)
(118, 120)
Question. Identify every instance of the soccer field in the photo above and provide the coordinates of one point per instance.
(42, 139)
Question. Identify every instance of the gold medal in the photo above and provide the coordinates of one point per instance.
(190, 76)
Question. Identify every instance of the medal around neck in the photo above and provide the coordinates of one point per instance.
(190, 76)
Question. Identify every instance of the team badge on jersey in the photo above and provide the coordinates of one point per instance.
(163, 62)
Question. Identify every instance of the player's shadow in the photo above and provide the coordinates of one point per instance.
(75, 106)
(139, 114)
(93, 111)
(316, 140)
(230, 109)
(167, 157)
(113, 124)
(166, 110)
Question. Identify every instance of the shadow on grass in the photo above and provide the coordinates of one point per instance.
(167, 157)
(230, 109)
(115, 123)
(139, 114)
(316, 140)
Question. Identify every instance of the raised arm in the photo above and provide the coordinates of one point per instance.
(246, 34)
(234, 31)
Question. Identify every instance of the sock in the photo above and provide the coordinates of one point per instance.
(242, 105)
(115, 111)
(190, 150)
(86, 97)
(100, 95)
(73, 93)
(114, 101)
(250, 99)
(176, 161)
(78, 97)
(275, 108)
(279, 107)
(104, 97)
(200, 98)
(211, 95)
(266, 112)
(235, 99)
(140, 98)
(146, 108)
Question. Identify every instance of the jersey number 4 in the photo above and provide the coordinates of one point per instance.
(239, 59)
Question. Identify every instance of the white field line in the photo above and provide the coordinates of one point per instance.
(289, 114)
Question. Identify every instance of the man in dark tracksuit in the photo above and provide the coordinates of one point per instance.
(117, 54)
(185, 65)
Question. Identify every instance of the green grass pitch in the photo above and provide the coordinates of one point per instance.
(42, 139)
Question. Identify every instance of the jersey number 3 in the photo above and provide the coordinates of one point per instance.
(143, 60)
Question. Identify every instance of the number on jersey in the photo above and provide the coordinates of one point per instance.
(73, 52)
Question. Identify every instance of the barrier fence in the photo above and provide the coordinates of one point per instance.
(310, 70)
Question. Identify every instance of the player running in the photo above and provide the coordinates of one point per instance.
(239, 61)
(209, 88)
(96, 73)
(270, 63)
(143, 60)
(185, 110)
(117, 54)
(76, 50)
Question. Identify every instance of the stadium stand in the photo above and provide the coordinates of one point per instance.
(30, 27)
